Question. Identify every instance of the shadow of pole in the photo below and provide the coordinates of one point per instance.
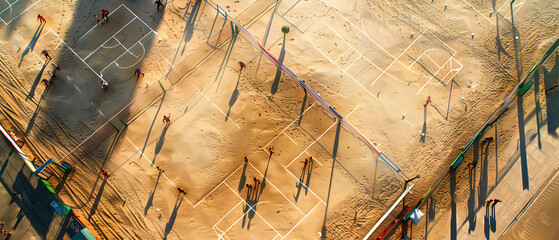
(152, 123)
(453, 220)
(334, 153)
(228, 52)
(279, 71)
(472, 200)
(522, 145)
(538, 107)
(551, 77)
(302, 108)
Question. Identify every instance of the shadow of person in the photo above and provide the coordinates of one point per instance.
(299, 183)
(97, 198)
(309, 172)
(169, 225)
(486, 222)
(249, 210)
(160, 142)
(424, 130)
(234, 97)
(151, 195)
(32, 43)
(493, 222)
(243, 179)
(37, 80)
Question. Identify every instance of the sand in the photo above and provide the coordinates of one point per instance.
(361, 57)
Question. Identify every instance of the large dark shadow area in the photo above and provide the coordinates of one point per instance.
(551, 78)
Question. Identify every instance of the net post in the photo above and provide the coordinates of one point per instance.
(161, 85)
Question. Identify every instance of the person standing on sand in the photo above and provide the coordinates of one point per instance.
(305, 163)
(105, 173)
(158, 4)
(105, 15)
(181, 191)
(243, 65)
(104, 85)
(97, 20)
(138, 72)
(246, 160)
(46, 53)
(167, 119)
(271, 149)
(41, 18)
(428, 101)
(488, 202)
(495, 201)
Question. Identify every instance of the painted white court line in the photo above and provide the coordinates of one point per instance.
(96, 25)
(251, 208)
(109, 39)
(268, 181)
(10, 7)
(341, 69)
(290, 138)
(222, 182)
(164, 175)
(479, 12)
(319, 137)
(296, 119)
(224, 114)
(297, 224)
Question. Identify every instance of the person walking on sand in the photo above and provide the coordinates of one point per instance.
(105, 173)
(46, 82)
(246, 160)
(488, 202)
(41, 18)
(495, 201)
(552, 87)
(158, 4)
(105, 15)
(138, 72)
(167, 119)
(271, 150)
(181, 191)
(256, 181)
(305, 163)
(104, 85)
(46, 53)
(428, 101)
(243, 65)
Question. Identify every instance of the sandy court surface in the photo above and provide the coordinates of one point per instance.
(376, 62)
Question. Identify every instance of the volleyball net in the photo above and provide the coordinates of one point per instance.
(239, 29)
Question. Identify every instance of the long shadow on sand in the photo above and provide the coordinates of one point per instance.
(32, 120)
(159, 144)
(305, 175)
(279, 71)
(37, 80)
(334, 154)
(234, 97)
(169, 225)
(152, 194)
(551, 78)
(32, 43)
(424, 130)
(97, 199)
(152, 123)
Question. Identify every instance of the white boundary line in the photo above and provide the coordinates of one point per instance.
(224, 114)
(164, 175)
(22, 12)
